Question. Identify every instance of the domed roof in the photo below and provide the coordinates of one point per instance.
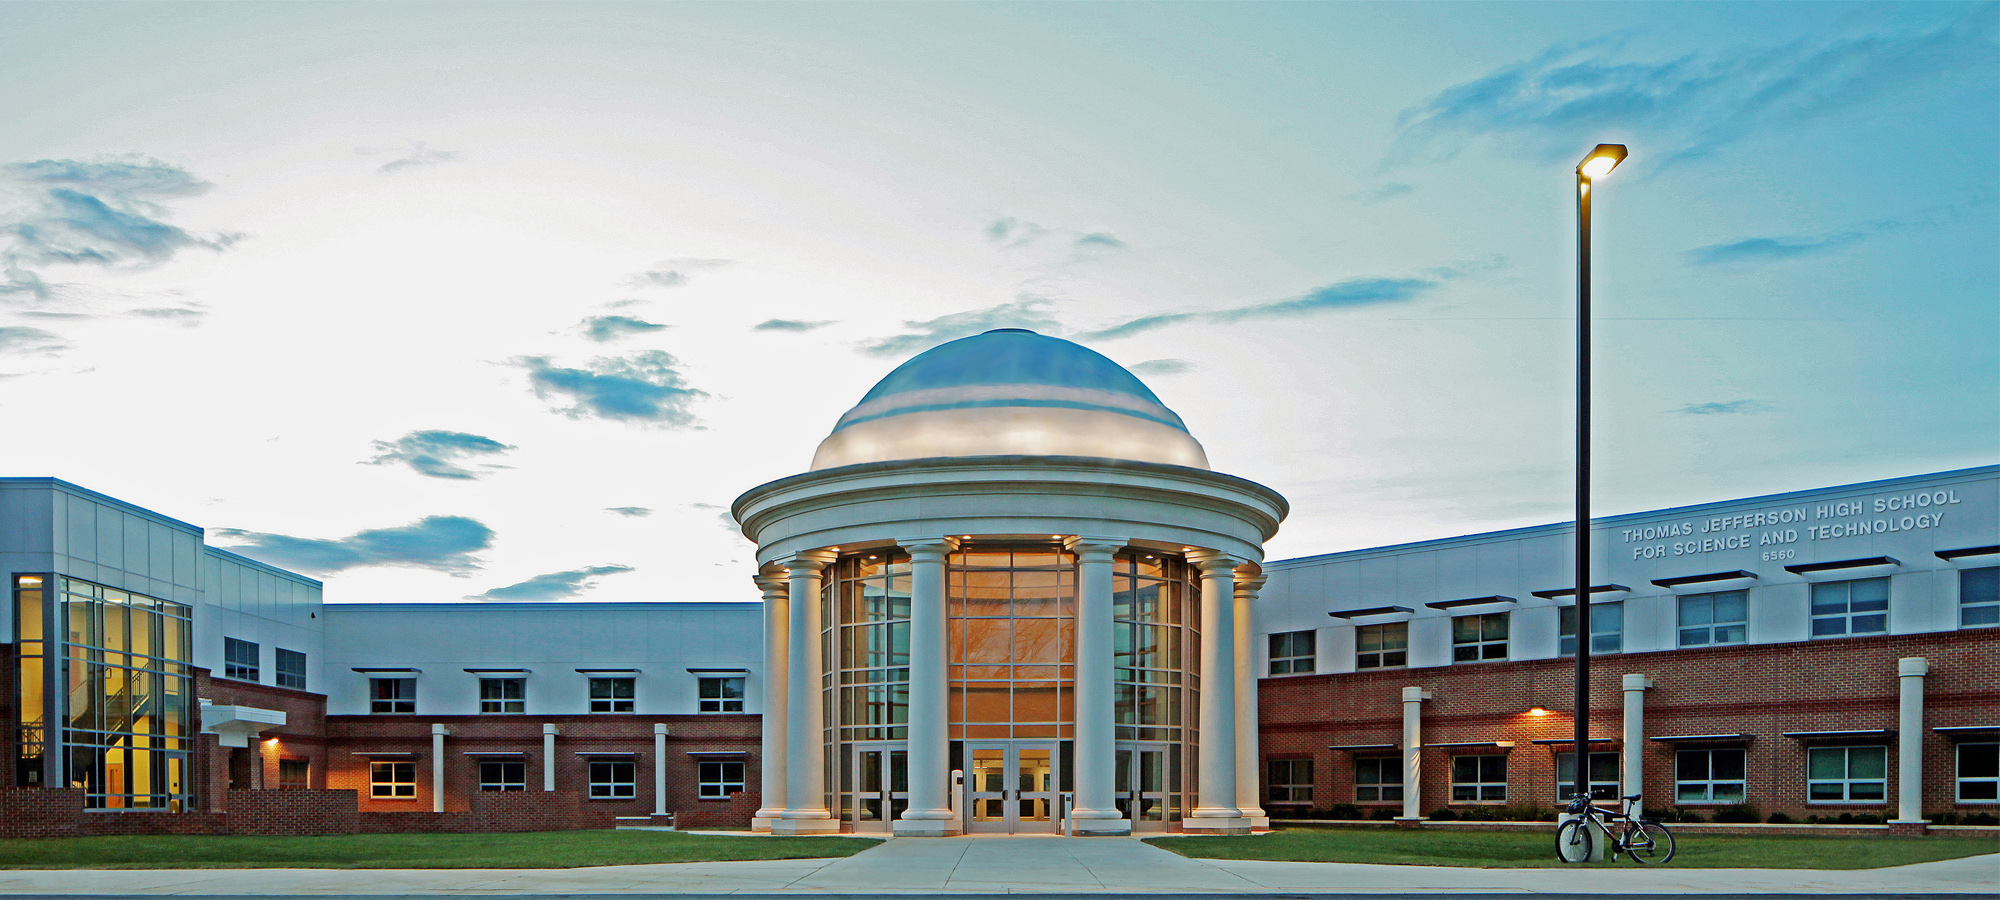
(1006, 392)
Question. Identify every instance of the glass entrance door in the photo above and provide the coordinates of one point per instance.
(1011, 787)
(881, 779)
(1147, 780)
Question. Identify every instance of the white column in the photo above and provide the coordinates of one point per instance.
(1910, 741)
(1247, 780)
(549, 730)
(438, 731)
(1096, 750)
(777, 652)
(1413, 747)
(659, 768)
(929, 813)
(1634, 742)
(805, 737)
(1216, 788)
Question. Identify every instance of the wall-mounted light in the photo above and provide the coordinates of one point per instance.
(1538, 712)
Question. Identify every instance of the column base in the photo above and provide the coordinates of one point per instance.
(1100, 827)
(762, 824)
(805, 826)
(1216, 825)
(926, 828)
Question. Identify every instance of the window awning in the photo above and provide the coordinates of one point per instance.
(1469, 745)
(719, 671)
(1471, 601)
(739, 754)
(1568, 741)
(1834, 737)
(1964, 552)
(1863, 563)
(1352, 748)
(501, 671)
(607, 753)
(609, 671)
(1370, 611)
(1554, 593)
(386, 754)
(376, 670)
(1704, 738)
(1968, 732)
(495, 753)
(1704, 579)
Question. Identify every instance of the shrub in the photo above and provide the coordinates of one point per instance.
(1981, 819)
(1444, 815)
(1778, 818)
(1737, 814)
(1683, 814)
(1337, 811)
(1385, 814)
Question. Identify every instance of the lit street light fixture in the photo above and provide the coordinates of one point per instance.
(1598, 164)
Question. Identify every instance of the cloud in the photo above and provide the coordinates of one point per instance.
(1012, 232)
(791, 324)
(1161, 367)
(636, 512)
(1351, 293)
(1733, 407)
(645, 387)
(25, 340)
(1693, 104)
(436, 453)
(672, 272)
(1098, 240)
(1386, 192)
(185, 316)
(106, 214)
(1025, 312)
(1769, 249)
(607, 328)
(552, 586)
(416, 156)
(438, 543)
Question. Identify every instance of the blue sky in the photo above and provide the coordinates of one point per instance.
(501, 302)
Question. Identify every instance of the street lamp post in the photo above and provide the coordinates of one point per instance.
(1596, 165)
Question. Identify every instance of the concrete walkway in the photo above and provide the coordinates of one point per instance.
(1031, 865)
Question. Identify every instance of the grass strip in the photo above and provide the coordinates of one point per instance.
(544, 850)
(1533, 849)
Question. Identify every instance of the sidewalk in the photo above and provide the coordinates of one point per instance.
(1020, 865)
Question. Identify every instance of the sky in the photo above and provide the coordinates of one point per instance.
(483, 302)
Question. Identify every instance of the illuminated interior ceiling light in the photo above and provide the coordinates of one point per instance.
(1601, 161)
(1538, 711)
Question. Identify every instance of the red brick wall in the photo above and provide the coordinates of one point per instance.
(1762, 690)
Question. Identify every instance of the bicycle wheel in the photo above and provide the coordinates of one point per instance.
(1573, 841)
(1650, 842)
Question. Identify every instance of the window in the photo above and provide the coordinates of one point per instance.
(610, 780)
(1291, 779)
(1850, 607)
(392, 780)
(503, 695)
(1292, 653)
(1720, 618)
(1479, 779)
(1708, 776)
(291, 669)
(611, 695)
(294, 774)
(1378, 779)
(239, 659)
(392, 695)
(718, 778)
(722, 695)
(1603, 775)
(1847, 774)
(1607, 629)
(1382, 646)
(503, 775)
(1979, 597)
(1476, 638)
(1978, 773)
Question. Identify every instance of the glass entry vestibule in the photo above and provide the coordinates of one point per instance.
(1149, 784)
(878, 775)
(1011, 787)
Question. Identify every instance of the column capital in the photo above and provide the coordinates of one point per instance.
(1638, 681)
(927, 546)
(1415, 694)
(772, 584)
(1213, 561)
(811, 561)
(1248, 586)
(1913, 666)
(1094, 545)
(551, 729)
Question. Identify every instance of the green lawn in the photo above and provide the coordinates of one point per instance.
(547, 850)
(1501, 849)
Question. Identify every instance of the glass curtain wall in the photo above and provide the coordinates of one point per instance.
(121, 663)
(1013, 643)
(1156, 648)
(867, 641)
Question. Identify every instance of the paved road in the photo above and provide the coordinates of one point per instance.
(963, 868)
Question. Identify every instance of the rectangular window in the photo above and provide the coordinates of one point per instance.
(1291, 780)
(1385, 646)
(1979, 597)
(1850, 607)
(503, 695)
(392, 780)
(1711, 619)
(1847, 774)
(1603, 775)
(1979, 773)
(610, 780)
(722, 695)
(1479, 779)
(291, 669)
(1378, 779)
(1709, 776)
(392, 695)
(718, 778)
(611, 695)
(1607, 629)
(239, 659)
(503, 775)
(294, 774)
(1479, 638)
(1292, 653)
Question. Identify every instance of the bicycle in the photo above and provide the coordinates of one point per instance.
(1646, 840)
